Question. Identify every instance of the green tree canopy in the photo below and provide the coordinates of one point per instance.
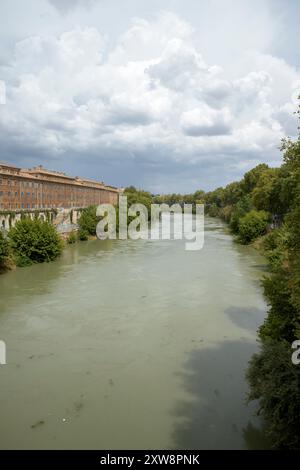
(4, 248)
(34, 241)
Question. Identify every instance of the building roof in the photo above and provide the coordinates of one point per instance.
(9, 165)
(40, 171)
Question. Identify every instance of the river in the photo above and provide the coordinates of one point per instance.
(132, 344)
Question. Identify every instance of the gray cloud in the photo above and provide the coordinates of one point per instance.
(197, 131)
(65, 6)
(147, 110)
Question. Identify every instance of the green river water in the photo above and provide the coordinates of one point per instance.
(132, 344)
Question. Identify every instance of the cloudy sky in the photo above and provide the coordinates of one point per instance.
(169, 95)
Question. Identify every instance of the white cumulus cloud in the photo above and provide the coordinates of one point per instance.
(151, 99)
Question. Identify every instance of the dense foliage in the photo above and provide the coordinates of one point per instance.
(72, 238)
(82, 235)
(135, 196)
(244, 205)
(275, 383)
(252, 225)
(181, 199)
(34, 241)
(88, 221)
(4, 250)
(138, 196)
(281, 406)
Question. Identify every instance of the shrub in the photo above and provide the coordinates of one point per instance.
(275, 247)
(213, 210)
(88, 220)
(138, 196)
(226, 213)
(253, 225)
(72, 238)
(83, 235)
(4, 249)
(34, 241)
(243, 206)
(281, 322)
(274, 381)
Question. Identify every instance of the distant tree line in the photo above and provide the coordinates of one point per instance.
(196, 198)
(259, 201)
(89, 219)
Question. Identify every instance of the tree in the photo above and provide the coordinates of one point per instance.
(275, 383)
(34, 241)
(72, 238)
(274, 379)
(135, 196)
(253, 225)
(198, 195)
(88, 220)
(4, 249)
(241, 208)
(215, 197)
(82, 235)
(266, 194)
(251, 178)
(233, 192)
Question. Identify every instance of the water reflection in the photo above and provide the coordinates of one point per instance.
(245, 317)
(213, 415)
(255, 437)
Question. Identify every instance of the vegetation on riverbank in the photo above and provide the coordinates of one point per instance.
(196, 198)
(34, 241)
(88, 220)
(265, 206)
(29, 241)
(274, 379)
(4, 253)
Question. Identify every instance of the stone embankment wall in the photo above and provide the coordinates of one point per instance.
(65, 220)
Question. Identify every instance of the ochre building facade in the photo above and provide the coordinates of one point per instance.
(38, 188)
